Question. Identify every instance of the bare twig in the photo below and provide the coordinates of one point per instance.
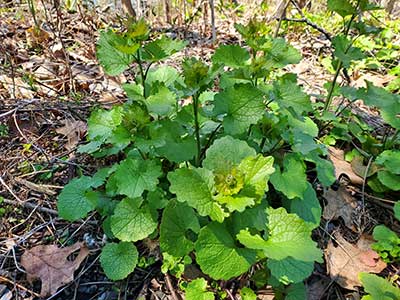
(5, 279)
(32, 206)
(281, 18)
(171, 288)
(11, 191)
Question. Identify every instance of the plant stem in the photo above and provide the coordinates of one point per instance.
(339, 66)
(197, 127)
(262, 144)
(142, 74)
(389, 144)
(209, 141)
(32, 9)
(332, 88)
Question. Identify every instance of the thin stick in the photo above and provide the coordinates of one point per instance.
(281, 18)
(11, 191)
(170, 287)
(5, 279)
(308, 22)
(32, 206)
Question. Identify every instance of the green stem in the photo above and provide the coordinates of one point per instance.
(197, 127)
(209, 141)
(389, 144)
(142, 74)
(332, 88)
(339, 66)
(32, 9)
(262, 144)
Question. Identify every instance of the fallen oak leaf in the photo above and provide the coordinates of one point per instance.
(50, 264)
(340, 204)
(74, 131)
(342, 166)
(345, 261)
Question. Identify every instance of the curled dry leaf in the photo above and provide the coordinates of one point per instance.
(360, 168)
(342, 166)
(340, 204)
(345, 261)
(50, 264)
(74, 131)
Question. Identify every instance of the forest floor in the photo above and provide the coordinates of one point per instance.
(50, 81)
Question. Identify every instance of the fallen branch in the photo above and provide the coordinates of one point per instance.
(311, 24)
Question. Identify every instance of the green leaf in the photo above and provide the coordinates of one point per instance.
(391, 160)
(113, 60)
(133, 176)
(242, 105)
(118, 260)
(194, 187)
(378, 288)
(132, 222)
(235, 202)
(365, 5)
(232, 56)
(165, 74)
(225, 153)
(290, 270)
(177, 220)
(344, 50)
(296, 291)
(73, 203)
(389, 104)
(307, 207)
(172, 141)
(247, 294)
(99, 178)
(138, 30)
(325, 171)
(396, 210)
(382, 233)
(257, 171)
(283, 181)
(196, 74)
(134, 91)
(161, 49)
(197, 290)
(218, 255)
(288, 94)
(278, 53)
(161, 103)
(289, 236)
(252, 218)
(102, 123)
(157, 199)
(390, 180)
(342, 7)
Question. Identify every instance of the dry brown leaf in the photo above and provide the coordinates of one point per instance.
(378, 80)
(342, 166)
(16, 86)
(358, 166)
(340, 204)
(36, 37)
(49, 263)
(74, 131)
(345, 261)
